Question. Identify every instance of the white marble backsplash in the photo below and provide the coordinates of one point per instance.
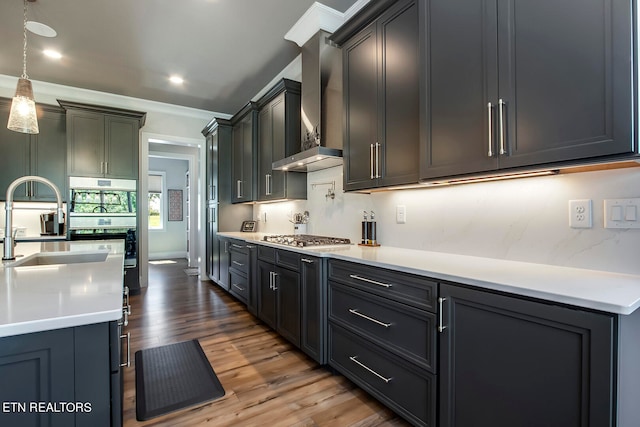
(520, 220)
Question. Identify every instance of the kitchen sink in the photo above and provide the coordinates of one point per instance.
(50, 258)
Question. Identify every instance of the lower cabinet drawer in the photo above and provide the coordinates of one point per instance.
(239, 286)
(406, 330)
(405, 388)
(239, 261)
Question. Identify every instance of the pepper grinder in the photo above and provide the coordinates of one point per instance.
(371, 230)
(365, 231)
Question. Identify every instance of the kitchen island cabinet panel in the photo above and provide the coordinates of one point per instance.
(60, 366)
(37, 367)
(506, 362)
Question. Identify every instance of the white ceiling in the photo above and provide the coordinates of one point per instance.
(227, 50)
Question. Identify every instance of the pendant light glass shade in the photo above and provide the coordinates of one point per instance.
(22, 117)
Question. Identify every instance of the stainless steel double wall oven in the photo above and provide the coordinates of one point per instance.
(102, 208)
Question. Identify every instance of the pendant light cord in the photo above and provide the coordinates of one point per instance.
(24, 48)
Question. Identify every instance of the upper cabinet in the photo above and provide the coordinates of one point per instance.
(102, 141)
(279, 137)
(243, 161)
(381, 74)
(42, 154)
(517, 83)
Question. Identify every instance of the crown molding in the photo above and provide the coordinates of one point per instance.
(317, 17)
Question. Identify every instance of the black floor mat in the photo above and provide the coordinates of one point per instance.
(173, 377)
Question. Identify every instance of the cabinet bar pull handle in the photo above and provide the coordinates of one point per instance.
(238, 263)
(371, 319)
(490, 119)
(275, 281)
(271, 280)
(441, 326)
(213, 192)
(237, 246)
(364, 279)
(362, 365)
(239, 189)
(371, 160)
(308, 261)
(266, 184)
(501, 104)
(128, 362)
(377, 160)
(106, 167)
(127, 304)
(250, 246)
(240, 288)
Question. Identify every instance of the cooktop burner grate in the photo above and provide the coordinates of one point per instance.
(304, 240)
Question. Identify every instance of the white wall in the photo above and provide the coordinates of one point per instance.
(522, 220)
(171, 241)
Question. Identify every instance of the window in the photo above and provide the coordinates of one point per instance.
(156, 200)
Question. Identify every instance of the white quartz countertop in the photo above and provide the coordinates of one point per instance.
(599, 290)
(43, 297)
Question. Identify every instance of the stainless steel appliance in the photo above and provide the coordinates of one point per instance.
(48, 224)
(102, 209)
(305, 240)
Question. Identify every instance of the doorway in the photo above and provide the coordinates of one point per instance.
(177, 161)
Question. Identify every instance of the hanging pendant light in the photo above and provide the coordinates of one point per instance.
(22, 117)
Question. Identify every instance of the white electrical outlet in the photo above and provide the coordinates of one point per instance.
(401, 214)
(580, 213)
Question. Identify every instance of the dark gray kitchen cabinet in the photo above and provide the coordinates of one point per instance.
(58, 366)
(42, 154)
(218, 179)
(521, 84)
(102, 141)
(383, 336)
(279, 137)
(313, 297)
(381, 74)
(240, 270)
(223, 249)
(279, 291)
(506, 361)
(243, 159)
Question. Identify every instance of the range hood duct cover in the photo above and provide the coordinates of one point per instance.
(321, 112)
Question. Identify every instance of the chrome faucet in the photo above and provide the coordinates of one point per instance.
(9, 239)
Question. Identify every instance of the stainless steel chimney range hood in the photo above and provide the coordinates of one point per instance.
(321, 113)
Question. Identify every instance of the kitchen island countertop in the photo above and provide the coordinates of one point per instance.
(593, 289)
(44, 297)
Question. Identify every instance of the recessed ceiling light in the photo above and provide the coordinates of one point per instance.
(41, 29)
(176, 80)
(52, 54)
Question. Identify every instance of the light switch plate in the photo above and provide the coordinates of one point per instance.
(621, 213)
(401, 214)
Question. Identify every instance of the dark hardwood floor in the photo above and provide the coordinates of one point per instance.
(267, 380)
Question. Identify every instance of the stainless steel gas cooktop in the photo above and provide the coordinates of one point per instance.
(304, 240)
